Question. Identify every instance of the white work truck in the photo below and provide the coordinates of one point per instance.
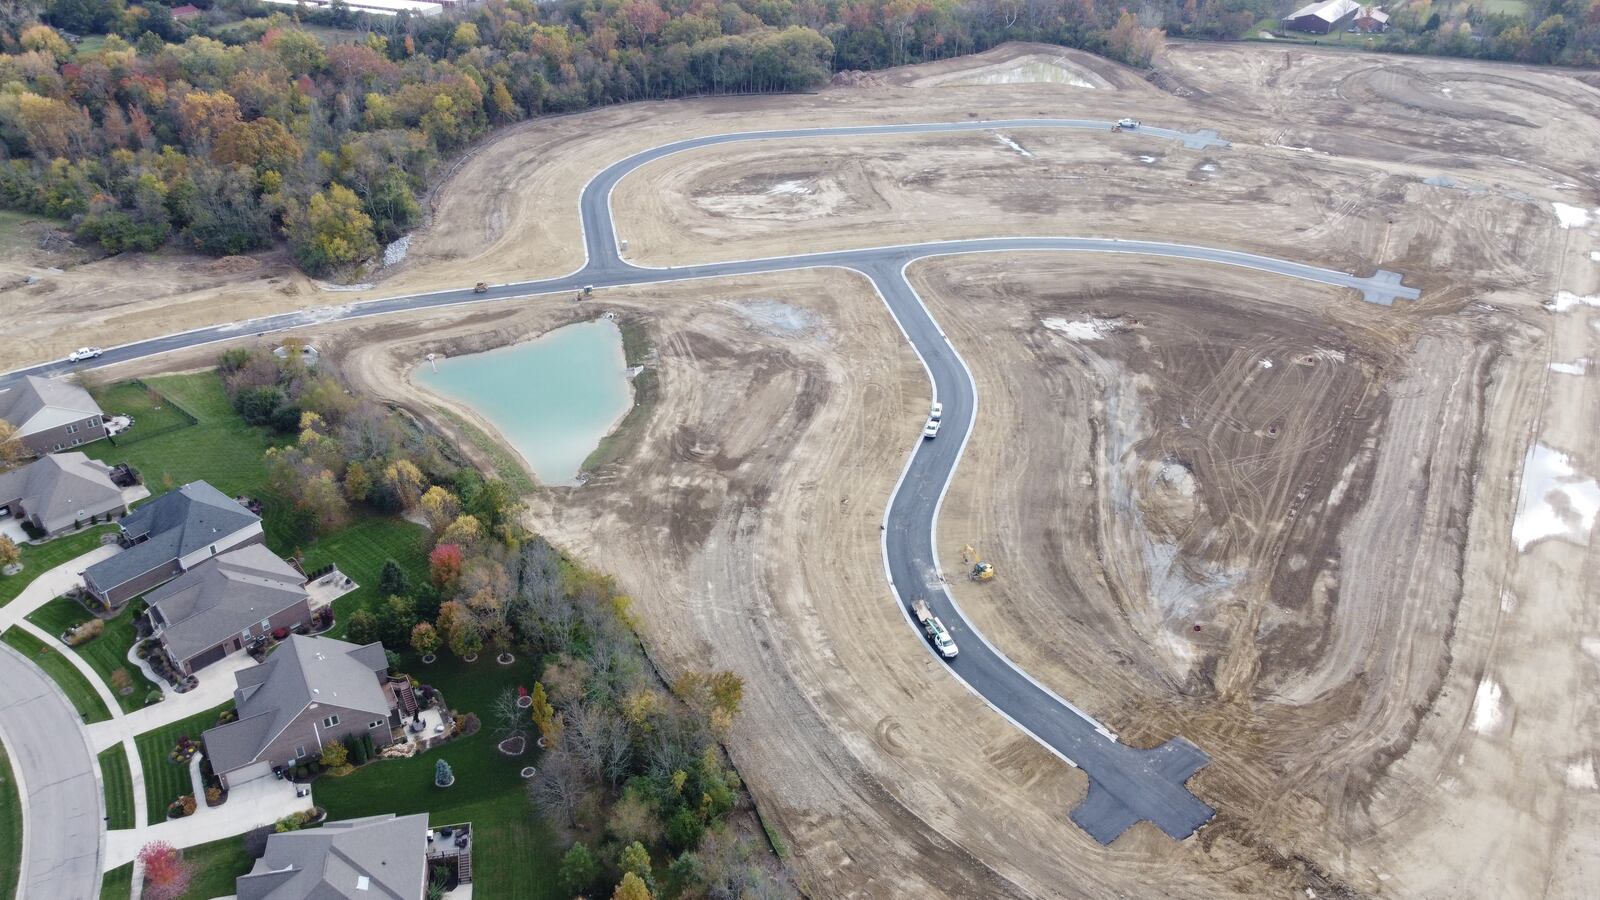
(937, 634)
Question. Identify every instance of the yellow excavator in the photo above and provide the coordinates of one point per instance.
(981, 571)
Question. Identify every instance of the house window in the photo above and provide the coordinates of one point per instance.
(213, 549)
(77, 441)
(245, 634)
(377, 723)
(300, 752)
(73, 428)
(265, 622)
(330, 721)
(94, 422)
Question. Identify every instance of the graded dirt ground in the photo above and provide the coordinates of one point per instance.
(1393, 674)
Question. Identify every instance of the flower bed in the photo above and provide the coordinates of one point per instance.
(515, 745)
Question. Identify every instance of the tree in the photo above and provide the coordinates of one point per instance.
(203, 115)
(466, 638)
(261, 145)
(166, 875)
(631, 887)
(636, 859)
(362, 627)
(464, 531)
(444, 565)
(579, 869)
(425, 639)
(331, 231)
(544, 715)
(12, 449)
(404, 480)
(392, 580)
(509, 719)
(439, 508)
(357, 487)
(395, 619)
(335, 754)
(10, 553)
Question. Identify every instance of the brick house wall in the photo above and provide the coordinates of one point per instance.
(305, 737)
(65, 437)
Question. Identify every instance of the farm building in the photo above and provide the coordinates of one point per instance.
(1324, 17)
(1372, 20)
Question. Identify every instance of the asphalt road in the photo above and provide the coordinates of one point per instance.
(61, 795)
(1126, 784)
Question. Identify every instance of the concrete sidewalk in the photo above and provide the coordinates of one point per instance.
(52, 583)
(216, 686)
(249, 805)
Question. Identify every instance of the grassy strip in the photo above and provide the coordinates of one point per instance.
(637, 348)
(217, 866)
(117, 883)
(106, 654)
(360, 551)
(118, 781)
(10, 829)
(507, 465)
(73, 683)
(165, 780)
(40, 558)
(517, 854)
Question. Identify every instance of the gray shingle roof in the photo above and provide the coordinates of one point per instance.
(61, 489)
(223, 596)
(301, 671)
(1326, 10)
(175, 525)
(35, 404)
(376, 858)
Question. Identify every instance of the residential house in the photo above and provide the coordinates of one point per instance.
(171, 535)
(60, 492)
(225, 603)
(50, 414)
(375, 858)
(310, 692)
(1322, 17)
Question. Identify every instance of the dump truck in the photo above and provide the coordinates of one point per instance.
(937, 634)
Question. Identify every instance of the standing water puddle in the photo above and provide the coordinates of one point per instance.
(553, 398)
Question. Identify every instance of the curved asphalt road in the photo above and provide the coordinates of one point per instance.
(1126, 785)
(56, 776)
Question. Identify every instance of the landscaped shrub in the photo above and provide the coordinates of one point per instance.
(85, 632)
(213, 796)
(154, 696)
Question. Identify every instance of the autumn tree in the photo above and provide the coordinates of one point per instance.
(261, 144)
(166, 875)
(631, 887)
(544, 715)
(10, 553)
(444, 565)
(203, 115)
(424, 639)
(330, 231)
(404, 482)
(465, 637)
(439, 508)
(12, 450)
(335, 754)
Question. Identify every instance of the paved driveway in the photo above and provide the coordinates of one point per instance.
(61, 798)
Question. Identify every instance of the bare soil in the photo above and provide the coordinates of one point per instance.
(1398, 702)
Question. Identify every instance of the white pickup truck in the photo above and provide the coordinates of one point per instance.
(1127, 123)
(938, 636)
(83, 353)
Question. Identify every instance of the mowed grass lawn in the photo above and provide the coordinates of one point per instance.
(217, 866)
(40, 558)
(105, 654)
(73, 683)
(165, 780)
(221, 449)
(516, 853)
(118, 781)
(117, 884)
(10, 828)
(360, 551)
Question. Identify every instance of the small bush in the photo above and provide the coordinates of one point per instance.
(85, 633)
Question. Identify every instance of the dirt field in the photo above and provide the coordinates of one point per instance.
(1377, 519)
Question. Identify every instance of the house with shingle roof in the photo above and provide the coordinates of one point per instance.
(171, 535)
(375, 858)
(225, 603)
(50, 414)
(309, 692)
(60, 492)
(1322, 17)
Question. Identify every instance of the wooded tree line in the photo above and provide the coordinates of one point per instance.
(229, 131)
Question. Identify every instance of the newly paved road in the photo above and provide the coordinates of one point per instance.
(61, 796)
(1126, 785)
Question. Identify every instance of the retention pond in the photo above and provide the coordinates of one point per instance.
(552, 398)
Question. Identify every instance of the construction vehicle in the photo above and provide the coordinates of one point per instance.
(937, 634)
(981, 571)
(481, 287)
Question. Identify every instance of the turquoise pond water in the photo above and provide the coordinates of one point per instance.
(552, 398)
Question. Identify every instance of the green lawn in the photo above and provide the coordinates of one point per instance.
(40, 558)
(106, 653)
(217, 866)
(153, 414)
(73, 683)
(222, 449)
(360, 551)
(165, 780)
(118, 883)
(118, 781)
(10, 829)
(517, 853)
